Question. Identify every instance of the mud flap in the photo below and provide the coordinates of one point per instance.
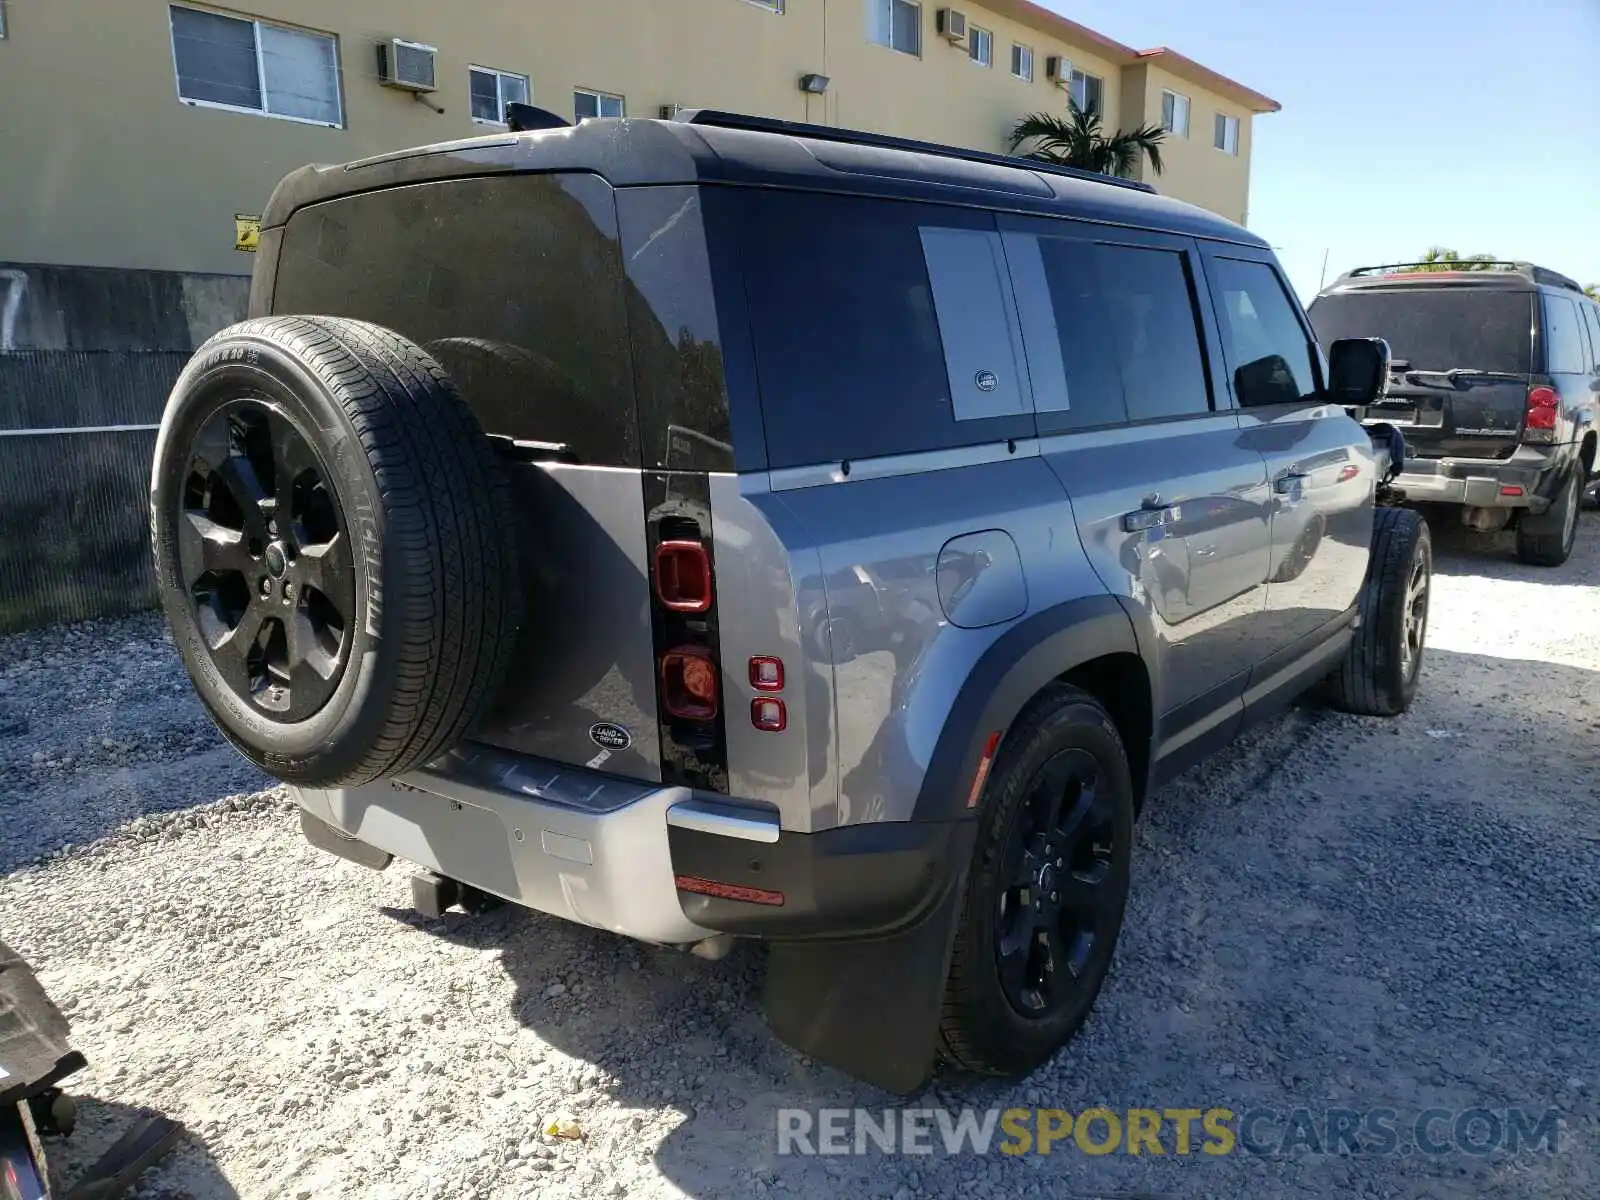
(868, 1006)
(325, 837)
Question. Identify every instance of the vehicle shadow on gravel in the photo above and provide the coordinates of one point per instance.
(187, 1172)
(1306, 931)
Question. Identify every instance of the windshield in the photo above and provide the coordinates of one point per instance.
(1435, 329)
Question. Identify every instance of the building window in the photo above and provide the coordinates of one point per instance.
(246, 65)
(896, 24)
(597, 104)
(1089, 91)
(981, 46)
(492, 90)
(1022, 62)
(1175, 113)
(1226, 137)
(770, 5)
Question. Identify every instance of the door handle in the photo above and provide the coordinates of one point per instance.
(1287, 485)
(1151, 516)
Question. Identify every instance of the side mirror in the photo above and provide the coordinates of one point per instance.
(1358, 370)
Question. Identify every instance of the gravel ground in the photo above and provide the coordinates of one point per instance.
(1336, 913)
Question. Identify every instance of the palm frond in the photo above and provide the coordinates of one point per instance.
(1077, 140)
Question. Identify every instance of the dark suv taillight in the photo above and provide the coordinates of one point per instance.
(689, 683)
(1544, 406)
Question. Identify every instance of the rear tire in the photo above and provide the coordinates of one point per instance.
(335, 548)
(1547, 540)
(1383, 665)
(1063, 750)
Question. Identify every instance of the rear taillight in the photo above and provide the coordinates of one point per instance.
(683, 576)
(727, 891)
(766, 674)
(1544, 406)
(689, 683)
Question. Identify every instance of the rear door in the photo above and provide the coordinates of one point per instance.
(1462, 359)
(1172, 506)
(1322, 477)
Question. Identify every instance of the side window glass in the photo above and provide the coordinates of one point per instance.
(1266, 347)
(967, 272)
(1149, 306)
(1071, 361)
(864, 345)
(1591, 315)
(1563, 341)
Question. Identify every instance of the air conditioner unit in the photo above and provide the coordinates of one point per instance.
(1058, 70)
(952, 24)
(408, 66)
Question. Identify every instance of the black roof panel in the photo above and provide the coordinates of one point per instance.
(632, 152)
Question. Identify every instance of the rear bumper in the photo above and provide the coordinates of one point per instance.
(1520, 482)
(608, 853)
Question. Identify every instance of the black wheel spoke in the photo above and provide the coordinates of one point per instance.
(1082, 892)
(1014, 972)
(1050, 793)
(327, 568)
(206, 546)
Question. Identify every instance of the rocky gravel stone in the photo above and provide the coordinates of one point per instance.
(1335, 913)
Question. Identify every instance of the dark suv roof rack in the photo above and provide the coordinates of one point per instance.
(856, 137)
(1529, 271)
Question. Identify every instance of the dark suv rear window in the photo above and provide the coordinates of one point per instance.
(1435, 329)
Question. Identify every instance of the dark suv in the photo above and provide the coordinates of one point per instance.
(715, 527)
(1495, 385)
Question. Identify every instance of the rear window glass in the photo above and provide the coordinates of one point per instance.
(480, 273)
(1150, 307)
(1435, 329)
(880, 328)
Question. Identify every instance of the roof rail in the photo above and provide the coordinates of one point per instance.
(856, 137)
(1528, 270)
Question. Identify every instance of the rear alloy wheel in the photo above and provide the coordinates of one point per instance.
(1048, 888)
(1547, 540)
(335, 549)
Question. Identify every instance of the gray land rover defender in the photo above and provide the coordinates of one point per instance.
(1495, 386)
(722, 528)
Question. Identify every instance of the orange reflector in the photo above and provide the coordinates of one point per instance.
(1511, 489)
(727, 891)
(981, 775)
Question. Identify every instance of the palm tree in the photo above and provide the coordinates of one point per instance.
(1592, 291)
(1077, 141)
(1440, 259)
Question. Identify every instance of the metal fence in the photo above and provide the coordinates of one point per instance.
(87, 358)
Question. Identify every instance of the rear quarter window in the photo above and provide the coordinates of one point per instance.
(1564, 350)
(880, 327)
(1435, 328)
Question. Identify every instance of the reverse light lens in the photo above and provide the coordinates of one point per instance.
(766, 674)
(683, 576)
(768, 714)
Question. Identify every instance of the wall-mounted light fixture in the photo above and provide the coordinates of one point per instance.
(813, 85)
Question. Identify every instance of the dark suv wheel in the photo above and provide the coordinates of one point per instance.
(1383, 665)
(1547, 540)
(334, 548)
(1049, 883)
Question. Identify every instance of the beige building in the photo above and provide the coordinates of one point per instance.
(140, 128)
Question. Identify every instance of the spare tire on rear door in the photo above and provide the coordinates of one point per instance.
(335, 548)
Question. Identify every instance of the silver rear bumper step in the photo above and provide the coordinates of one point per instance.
(559, 839)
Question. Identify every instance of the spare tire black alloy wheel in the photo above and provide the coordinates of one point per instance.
(265, 555)
(335, 548)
